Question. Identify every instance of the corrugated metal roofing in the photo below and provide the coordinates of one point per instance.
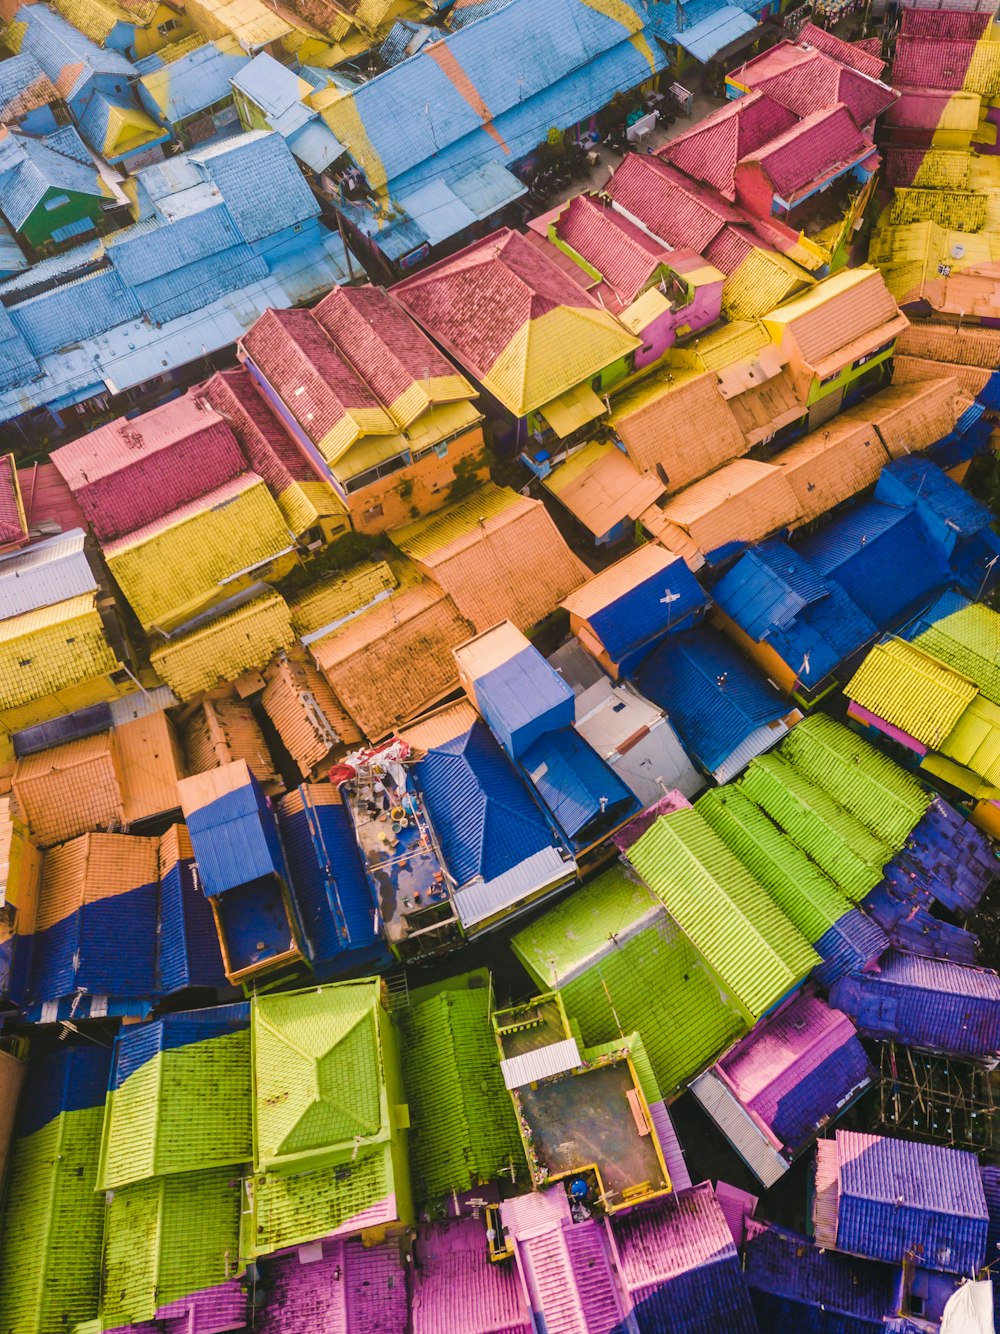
(745, 938)
(306, 714)
(232, 827)
(48, 572)
(581, 790)
(911, 690)
(70, 789)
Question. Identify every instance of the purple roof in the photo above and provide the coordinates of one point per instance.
(853, 941)
(456, 1290)
(912, 927)
(210, 1311)
(350, 1290)
(797, 1069)
(679, 1266)
(899, 1200)
(991, 1189)
(787, 1273)
(949, 857)
(928, 1003)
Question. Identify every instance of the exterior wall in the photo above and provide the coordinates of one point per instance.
(753, 190)
(147, 40)
(43, 222)
(848, 375)
(762, 654)
(420, 488)
(704, 309)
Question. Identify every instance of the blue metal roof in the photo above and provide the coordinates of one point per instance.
(197, 80)
(235, 840)
(713, 696)
(522, 698)
(261, 183)
(195, 285)
(883, 557)
(405, 39)
(189, 953)
(274, 88)
(576, 784)
(768, 587)
(644, 613)
(76, 310)
(819, 1095)
(69, 1079)
(56, 44)
(917, 481)
(481, 810)
(52, 163)
(316, 145)
(17, 74)
(94, 121)
(853, 941)
(948, 858)
(911, 927)
(705, 39)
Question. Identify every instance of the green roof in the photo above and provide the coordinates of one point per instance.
(744, 937)
(168, 1238)
(186, 1109)
(50, 1255)
(804, 893)
(578, 930)
(847, 851)
(463, 1131)
(319, 1087)
(653, 982)
(884, 797)
(969, 641)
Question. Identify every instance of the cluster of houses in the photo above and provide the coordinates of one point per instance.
(517, 733)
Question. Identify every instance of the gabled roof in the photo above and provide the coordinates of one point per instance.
(24, 85)
(52, 163)
(851, 308)
(710, 150)
(847, 53)
(911, 690)
(952, 62)
(672, 206)
(625, 256)
(484, 816)
(224, 648)
(13, 522)
(173, 89)
(68, 57)
(744, 501)
(807, 80)
(600, 486)
(821, 145)
(511, 317)
(786, 1272)
(966, 636)
(577, 785)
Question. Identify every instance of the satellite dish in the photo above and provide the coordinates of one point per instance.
(957, 251)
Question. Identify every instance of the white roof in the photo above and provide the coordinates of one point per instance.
(45, 573)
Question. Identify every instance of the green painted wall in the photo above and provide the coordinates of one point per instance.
(42, 222)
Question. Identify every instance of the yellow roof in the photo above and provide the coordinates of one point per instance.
(342, 595)
(737, 340)
(911, 690)
(225, 648)
(762, 281)
(96, 18)
(45, 651)
(974, 741)
(961, 209)
(425, 538)
(573, 409)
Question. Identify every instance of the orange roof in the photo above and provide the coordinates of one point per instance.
(70, 789)
(911, 370)
(911, 417)
(968, 345)
(221, 731)
(150, 763)
(679, 426)
(832, 464)
(838, 320)
(765, 408)
(743, 502)
(392, 663)
(306, 714)
(600, 487)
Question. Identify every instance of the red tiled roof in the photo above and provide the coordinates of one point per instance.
(860, 57)
(267, 446)
(932, 62)
(811, 151)
(373, 331)
(671, 206)
(306, 371)
(730, 248)
(623, 254)
(11, 527)
(47, 498)
(918, 109)
(807, 81)
(479, 299)
(952, 23)
(711, 149)
(131, 472)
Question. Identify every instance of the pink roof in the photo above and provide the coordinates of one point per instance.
(864, 60)
(351, 1289)
(456, 1290)
(932, 62)
(672, 1237)
(711, 149)
(47, 498)
(951, 23)
(806, 81)
(12, 530)
(730, 248)
(216, 499)
(268, 448)
(783, 1050)
(131, 472)
(566, 1270)
(624, 255)
(918, 109)
(477, 301)
(816, 148)
(373, 331)
(673, 207)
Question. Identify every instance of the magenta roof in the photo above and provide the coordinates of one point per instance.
(132, 472)
(730, 248)
(351, 1289)
(456, 1290)
(623, 254)
(918, 109)
(676, 1235)
(947, 22)
(855, 54)
(710, 150)
(806, 81)
(932, 62)
(821, 145)
(268, 448)
(11, 528)
(668, 203)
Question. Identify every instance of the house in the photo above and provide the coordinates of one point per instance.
(458, 1287)
(798, 627)
(547, 349)
(688, 867)
(857, 1208)
(725, 712)
(611, 950)
(94, 82)
(603, 491)
(219, 731)
(931, 1004)
(189, 954)
(559, 1092)
(942, 832)
(187, 88)
(805, 79)
(49, 188)
(29, 100)
(330, 1176)
(134, 29)
(223, 648)
(379, 413)
(520, 79)
(776, 1089)
(375, 1286)
(841, 329)
(54, 1155)
(497, 554)
(845, 938)
(621, 614)
(137, 304)
(269, 95)
(304, 711)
